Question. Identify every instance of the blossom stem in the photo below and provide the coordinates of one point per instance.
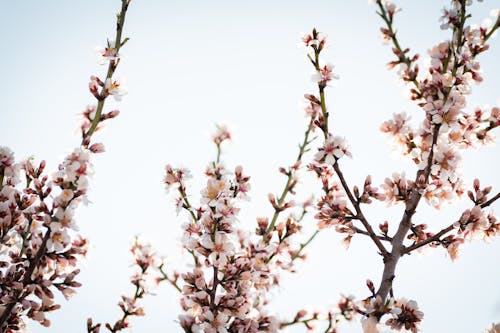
(323, 111)
(366, 233)
(493, 29)
(295, 322)
(303, 245)
(119, 325)
(218, 153)
(173, 282)
(359, 213)
(436, 237)
(388, 21)
(286, 189)
(492, 200)
(111, 70)
(25, 237)
(187, 205)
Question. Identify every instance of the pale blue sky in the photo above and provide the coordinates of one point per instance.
(190, 64)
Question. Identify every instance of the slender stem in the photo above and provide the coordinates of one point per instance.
(493, 29)
(173, 282)
(187, 205)
(434, 238)
(295, 322)
(366, 233)
(323, 110)
(218, 153)
(286, 189)
(383, 14)
(111, 69)
(137, 295)
(444, 231)
(213, 291)
(25, 237)
(303, 245)
(359, 213)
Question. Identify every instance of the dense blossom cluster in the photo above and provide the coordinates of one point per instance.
(233, 270)
(226, 290)
(40, 248)
(447, 130)
(436, 147)
(40, 245)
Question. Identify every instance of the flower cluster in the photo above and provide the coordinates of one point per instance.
(332, 207)
(40, 245)
(40, 248)
(447, 129)
(435, 147)
(147, 264)
(234, 269)
(226, 289)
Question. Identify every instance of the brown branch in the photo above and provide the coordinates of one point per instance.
(27, 278)
(34, 263)
(359, 213)
(436, 237)
(392, 259)
(411, 205)
(366, 233)
(492, 200)
(388, 21)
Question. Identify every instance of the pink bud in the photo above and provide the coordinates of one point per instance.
(97, 148)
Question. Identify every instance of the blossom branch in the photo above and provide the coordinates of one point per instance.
(359, 213)
(437, 237)
(171, 280)
(26, 280)
(303, 245)
(421, 182)
(145, 261)
(49, 242)
(113, 64)
(388, 16)
(392, 259)
(290, 182)
(366, 233)
(493, 29)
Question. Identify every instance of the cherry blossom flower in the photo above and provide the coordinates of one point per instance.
(107, 53)
(116, 87)
(334, 148)
(324, 75)
(314, 40)
(222, 134)
(495, 328)
(406, 316)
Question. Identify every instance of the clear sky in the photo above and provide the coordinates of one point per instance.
(190, 64)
